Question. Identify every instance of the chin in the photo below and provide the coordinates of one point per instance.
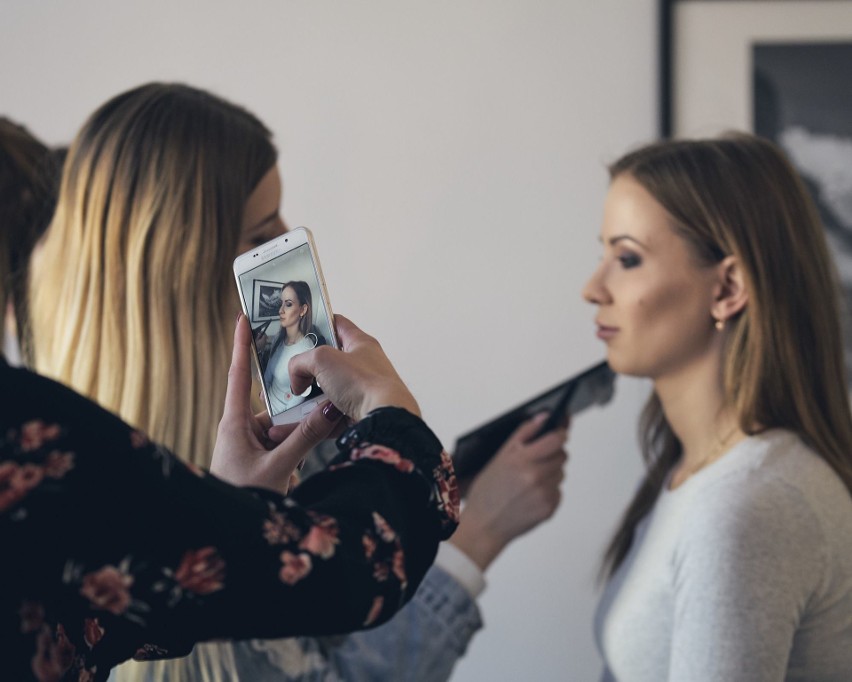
(621, 365)
(615, 362)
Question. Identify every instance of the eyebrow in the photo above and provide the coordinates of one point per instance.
(621, 237)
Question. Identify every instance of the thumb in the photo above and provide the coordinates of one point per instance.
(238, 392)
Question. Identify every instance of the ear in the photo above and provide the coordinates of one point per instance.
(730, 295)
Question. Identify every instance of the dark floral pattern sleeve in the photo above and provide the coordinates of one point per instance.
(112, 548)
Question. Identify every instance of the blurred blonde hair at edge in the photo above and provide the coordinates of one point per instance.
(132, 296)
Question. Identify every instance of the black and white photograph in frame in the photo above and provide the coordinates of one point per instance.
(803, 102)
(265, 300)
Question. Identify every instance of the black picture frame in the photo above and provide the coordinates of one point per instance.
(737, 21)
(261, 309)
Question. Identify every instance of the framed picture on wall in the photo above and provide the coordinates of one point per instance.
(265, 300)
(707, 53)
(778, 68)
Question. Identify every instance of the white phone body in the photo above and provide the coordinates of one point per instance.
(283, 295)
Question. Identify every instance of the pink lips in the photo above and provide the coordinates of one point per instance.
(606, 333)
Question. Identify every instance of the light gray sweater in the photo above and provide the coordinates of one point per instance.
(743, 573)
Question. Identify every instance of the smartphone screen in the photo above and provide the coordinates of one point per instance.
(285, 303)
(594, 386)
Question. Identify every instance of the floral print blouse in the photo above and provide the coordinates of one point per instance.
(112, 548)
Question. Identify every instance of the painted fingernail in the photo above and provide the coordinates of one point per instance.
(239, 315)
(331, 413)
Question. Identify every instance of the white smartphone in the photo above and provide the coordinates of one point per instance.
(283, 295)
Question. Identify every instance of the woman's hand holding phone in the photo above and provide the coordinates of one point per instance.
(358, 379)
(250, 451)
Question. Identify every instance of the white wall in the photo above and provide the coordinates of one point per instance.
(449, 157)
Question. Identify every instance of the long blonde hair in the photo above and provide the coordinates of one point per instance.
(132, 297)
(783, 363)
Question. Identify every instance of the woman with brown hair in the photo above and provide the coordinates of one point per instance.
(733, 561)
(297, 334)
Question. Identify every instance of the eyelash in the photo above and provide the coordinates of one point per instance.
(259, 239)
(629, 260)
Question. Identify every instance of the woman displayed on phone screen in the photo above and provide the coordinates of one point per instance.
(296, 335)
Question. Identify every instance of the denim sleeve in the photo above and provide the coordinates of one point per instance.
(422, 642)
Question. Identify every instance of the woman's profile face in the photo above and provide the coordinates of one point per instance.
(654, 299)
(291, 309)
(262, 219)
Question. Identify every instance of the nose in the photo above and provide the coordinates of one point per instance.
(594, 291)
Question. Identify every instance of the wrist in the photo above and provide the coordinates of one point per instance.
(481, 546)
(392, 426)
(393, 397)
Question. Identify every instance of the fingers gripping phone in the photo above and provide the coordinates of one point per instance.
(594, 386)
(283, 295)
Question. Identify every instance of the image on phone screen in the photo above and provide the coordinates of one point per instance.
(287, 316)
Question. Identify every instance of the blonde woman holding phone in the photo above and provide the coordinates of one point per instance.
(133, 300)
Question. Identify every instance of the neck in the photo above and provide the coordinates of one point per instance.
(293, 335)
(693, 400)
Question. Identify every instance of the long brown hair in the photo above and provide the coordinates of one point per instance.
(783, 360)
(132, 295)
(29, 183)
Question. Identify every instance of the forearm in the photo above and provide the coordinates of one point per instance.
(189, 557)
(478, 542)
(350, 546)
